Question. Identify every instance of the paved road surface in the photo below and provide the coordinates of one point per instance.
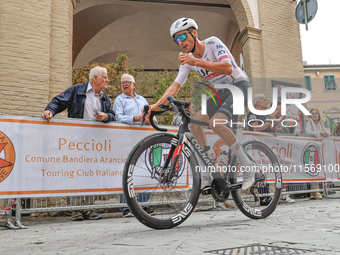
(306, 227)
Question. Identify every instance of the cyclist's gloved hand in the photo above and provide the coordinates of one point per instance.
(147, 120)
(153, 108)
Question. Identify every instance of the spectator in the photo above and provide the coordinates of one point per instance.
(128, 107)
(280, 128)
(290, 130)
(315, 127)
(84, 101)
(261, 103)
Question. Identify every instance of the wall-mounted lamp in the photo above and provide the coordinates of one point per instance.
(317, 73)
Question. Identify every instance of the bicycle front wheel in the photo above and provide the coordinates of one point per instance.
(167, 201)
(261, 200)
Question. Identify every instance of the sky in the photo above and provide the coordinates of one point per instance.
(321, 43)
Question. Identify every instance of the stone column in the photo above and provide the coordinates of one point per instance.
(35, 53)
(61, 47)
(25, 31)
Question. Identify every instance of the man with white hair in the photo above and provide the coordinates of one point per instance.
(260, 123)
(128, 106)
(84, 101)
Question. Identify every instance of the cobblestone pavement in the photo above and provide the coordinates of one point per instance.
(307, 225)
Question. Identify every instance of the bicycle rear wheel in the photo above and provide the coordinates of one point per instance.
(261, 200)
(144, 175)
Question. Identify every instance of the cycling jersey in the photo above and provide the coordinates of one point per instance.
(215, 51)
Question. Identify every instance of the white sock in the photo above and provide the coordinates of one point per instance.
(238, 151)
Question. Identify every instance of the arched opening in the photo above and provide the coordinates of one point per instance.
(103, 29)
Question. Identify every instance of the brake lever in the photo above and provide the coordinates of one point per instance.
(174, 107)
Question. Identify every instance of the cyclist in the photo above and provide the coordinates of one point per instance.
(213, 60)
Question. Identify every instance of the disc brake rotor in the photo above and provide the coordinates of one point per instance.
(162, 180)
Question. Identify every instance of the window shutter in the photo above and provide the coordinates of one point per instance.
(308, 84)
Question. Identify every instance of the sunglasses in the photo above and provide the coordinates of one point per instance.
(126, 82)
(181, 37)
(314, 113)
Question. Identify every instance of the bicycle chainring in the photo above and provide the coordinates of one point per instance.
(218, 194)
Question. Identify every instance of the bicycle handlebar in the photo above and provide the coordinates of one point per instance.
(177, 106)
(182, 104)
(146, 110)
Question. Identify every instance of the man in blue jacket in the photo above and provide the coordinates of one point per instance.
(84, 101)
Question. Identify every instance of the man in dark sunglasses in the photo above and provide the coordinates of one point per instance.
(212, 59)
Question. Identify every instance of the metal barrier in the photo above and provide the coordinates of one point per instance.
(331, 191)
(55, 205)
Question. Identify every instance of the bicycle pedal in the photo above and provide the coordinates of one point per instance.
(206, 191)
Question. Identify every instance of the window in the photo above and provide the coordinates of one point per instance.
(241, 61)
(331, 122)
(329, 81)
(308, 83)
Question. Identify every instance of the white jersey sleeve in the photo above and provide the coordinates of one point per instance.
(183, 73)
(220, 51)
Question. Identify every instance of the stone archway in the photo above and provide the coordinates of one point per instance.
(249, 36)
(264, 28)
(140, 29)
(268, 34)
(242, 12)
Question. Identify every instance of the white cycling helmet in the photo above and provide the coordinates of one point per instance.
(182, 24)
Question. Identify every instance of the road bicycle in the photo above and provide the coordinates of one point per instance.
(168, 167)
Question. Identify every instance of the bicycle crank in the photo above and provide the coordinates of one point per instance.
(217, 193)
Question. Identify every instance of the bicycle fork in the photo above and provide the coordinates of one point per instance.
(173, 157)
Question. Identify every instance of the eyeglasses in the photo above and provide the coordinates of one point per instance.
(314, 113)
(181, 37)
(126, 82)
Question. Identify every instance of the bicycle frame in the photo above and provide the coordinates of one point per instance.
(180, 145)
(183, 150)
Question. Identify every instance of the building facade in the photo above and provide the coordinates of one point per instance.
(42, 40)
(323, 82)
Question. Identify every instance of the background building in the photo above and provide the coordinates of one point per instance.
(42, 40)
(323, 81)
